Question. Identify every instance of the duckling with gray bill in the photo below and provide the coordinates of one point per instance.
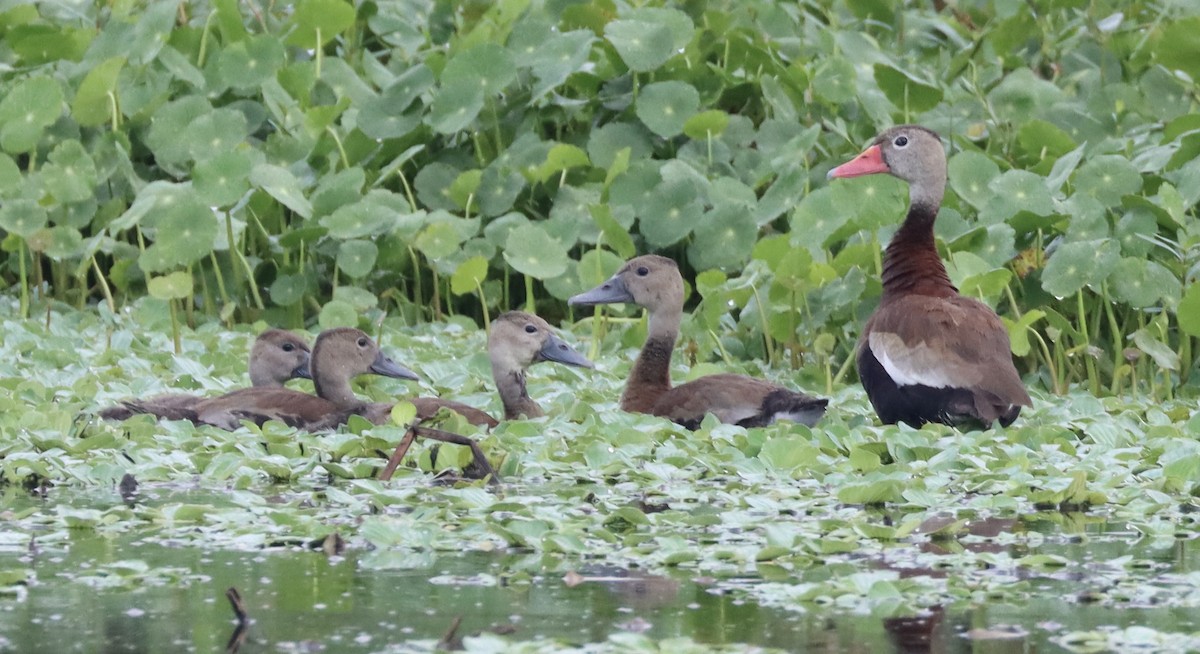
(654, 283)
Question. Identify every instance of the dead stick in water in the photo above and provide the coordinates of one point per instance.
(457, 439)
(398, 455)
(238, 637)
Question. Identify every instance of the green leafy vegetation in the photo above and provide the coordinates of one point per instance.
(174, 177)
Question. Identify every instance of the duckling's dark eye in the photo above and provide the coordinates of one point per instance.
(530, 329)
(288, 347)
(901, 141)
(643, 271)
(362, 342)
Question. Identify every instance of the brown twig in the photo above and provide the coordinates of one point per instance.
(243, 621)
(447, 437)
(451, 641)
(398, 455)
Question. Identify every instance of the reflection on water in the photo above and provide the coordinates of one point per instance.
(118, 592)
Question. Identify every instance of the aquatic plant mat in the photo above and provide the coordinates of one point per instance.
(1073, 530)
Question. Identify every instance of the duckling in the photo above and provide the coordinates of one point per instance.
(654, 283)
(276, 356)
(517, 341)
(338, 356)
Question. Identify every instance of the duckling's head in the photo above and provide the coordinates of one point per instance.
(342, 353)
(519, 340)
(277, 356)
(650, 281)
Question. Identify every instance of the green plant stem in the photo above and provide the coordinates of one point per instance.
(1089, 363)
(341, 149)
(204, 39)
(1059, 384)
(24, 274)
(762, 316)
(487, 323)
(1117, 346)
(530, 301)
(418, 294)
(174, 327)
(320, 55)
(436, 296)
(212, 257)
(108, 297)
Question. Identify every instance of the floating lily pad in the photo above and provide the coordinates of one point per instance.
(665, 107)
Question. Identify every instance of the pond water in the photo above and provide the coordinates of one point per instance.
(131, 591)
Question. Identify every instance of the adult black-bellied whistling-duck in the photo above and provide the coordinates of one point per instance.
(276, 356)
(928, 354)
(338, 356)
(654, 283)
(517, 341)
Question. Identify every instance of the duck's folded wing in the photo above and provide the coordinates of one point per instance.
(946, 343)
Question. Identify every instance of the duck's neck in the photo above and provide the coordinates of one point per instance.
(511, 384)
(911, 264)
(335, 388)
(264, 378)
(651, 374)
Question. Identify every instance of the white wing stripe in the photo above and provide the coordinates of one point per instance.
(910, 366)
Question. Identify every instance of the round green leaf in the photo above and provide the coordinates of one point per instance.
(247, 65)
(498, 189)
(282, 185)
(63, 242)
(1016, 190)
(337, 313)
(906, 92)
(439, 239)
(175, 286)
(670, 214)
(92, 105)
(468, 275)
(643, 46)
(215, 133)
(724, 238)
(169, 127)
(222, 180)
(970, 175)
(604, 143)
(184, 233)
(326, 18)
(455, 106)
(70, 173)
(287, 290)
(22, 217)
(11, 179)
(26, 111)
(664, 107)
(1075, 265)
(1108, 178)
(1143, 283)
(706, 124)
(1179, 46)
(357, 258)
(835, 80)
(363, 218)
(531, 251)
(1188, 313)
(486, 66)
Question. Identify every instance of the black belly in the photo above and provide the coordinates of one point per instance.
(917, 404)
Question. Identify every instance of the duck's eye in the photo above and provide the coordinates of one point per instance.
(288, 347)
(530, 329)
(362, 342)
(900, 141)
(643, 271)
